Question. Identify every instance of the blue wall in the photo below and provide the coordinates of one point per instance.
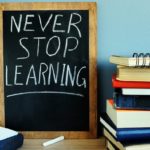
(123, 28)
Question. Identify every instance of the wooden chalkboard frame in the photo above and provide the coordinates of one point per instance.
(91, 7)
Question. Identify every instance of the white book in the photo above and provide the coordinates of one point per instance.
(108, 127)
(128, 118)
(135, 91)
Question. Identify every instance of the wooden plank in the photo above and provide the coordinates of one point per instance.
(2, 122)
(88, 144)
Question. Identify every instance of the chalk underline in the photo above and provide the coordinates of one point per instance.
(45, 92)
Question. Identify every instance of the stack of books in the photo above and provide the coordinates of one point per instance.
(127, 119)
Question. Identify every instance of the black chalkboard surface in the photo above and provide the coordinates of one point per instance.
(47, 69)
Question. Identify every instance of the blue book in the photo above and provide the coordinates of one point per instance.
(131, 101)
(113, 144)
(125, 134)
(9, 139)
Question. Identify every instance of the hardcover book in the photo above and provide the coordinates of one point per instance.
(129, 135)
(114, 144)
(133, 74)
(129, 84)
(141, 102)
(128, 118)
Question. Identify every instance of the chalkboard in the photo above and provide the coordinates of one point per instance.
(46, 69)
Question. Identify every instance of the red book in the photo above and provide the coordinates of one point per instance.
(129, 84)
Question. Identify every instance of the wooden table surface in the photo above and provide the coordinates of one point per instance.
(85, 144)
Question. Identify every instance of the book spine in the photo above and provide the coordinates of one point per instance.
(131, 101)
(133, 134)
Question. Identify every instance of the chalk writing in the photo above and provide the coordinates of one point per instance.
(61, 74)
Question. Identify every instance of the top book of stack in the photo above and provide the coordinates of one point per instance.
(130, 61)
(132, 68)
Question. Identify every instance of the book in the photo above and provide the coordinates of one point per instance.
(110, 146)
(129, 84)
(129, 61)
(12, 143)
(127, 118)
(131, 101)
(125, 134)
(112, 140)
(133, 74)
(113, 143)
(10, 139)
(135, 91)
(6, 133)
